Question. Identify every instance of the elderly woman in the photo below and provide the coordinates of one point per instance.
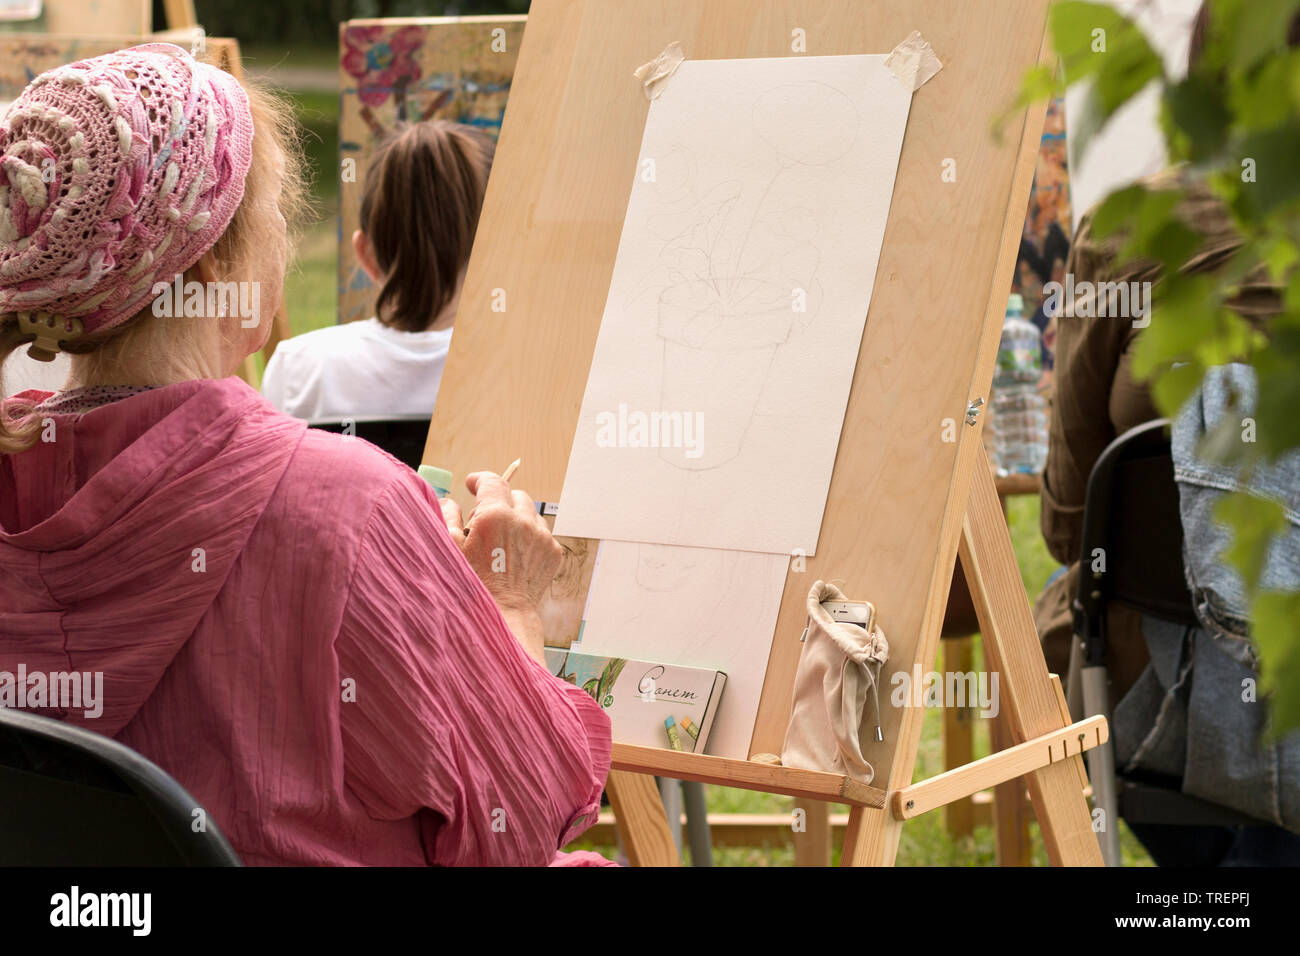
(282, 620)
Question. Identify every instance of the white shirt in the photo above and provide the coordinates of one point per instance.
(357, 370)
(21, 372)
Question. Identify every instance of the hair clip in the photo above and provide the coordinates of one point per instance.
(48, 338)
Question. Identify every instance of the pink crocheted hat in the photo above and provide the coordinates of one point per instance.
(115, 173)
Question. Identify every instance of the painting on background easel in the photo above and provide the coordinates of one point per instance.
(25, 56)
(85, 18)
(1045, 243)
(1045, 240)
(407, 70)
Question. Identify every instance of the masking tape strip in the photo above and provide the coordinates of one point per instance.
(654, 75)
(913, 62)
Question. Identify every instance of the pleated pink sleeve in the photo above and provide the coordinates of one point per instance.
(452, 722)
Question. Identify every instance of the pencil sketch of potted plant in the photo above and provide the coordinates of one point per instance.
(743, 267)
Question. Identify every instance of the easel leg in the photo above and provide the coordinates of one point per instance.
(670, 795)
(1010, 815)
(812, 846)
(639, 816)
(958, 733)
(871, 838)
(698, 836)
(1012, 651)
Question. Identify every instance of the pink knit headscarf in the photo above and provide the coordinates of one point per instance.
(115, 173)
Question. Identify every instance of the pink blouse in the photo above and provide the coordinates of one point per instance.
(283, 623)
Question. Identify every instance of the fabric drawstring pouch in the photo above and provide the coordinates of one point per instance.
(839, 669)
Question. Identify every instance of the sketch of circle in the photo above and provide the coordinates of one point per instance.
(808, 123)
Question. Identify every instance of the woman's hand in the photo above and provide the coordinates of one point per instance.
(510, 548)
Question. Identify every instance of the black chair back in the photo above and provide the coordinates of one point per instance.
(70, 797)
(1131, 513)
(1132, 550)
(403, 438)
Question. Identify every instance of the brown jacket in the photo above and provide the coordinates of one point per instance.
(1096, 398)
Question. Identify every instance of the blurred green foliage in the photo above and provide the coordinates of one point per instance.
(1234, 120)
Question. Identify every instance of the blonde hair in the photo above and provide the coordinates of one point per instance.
(173, 346)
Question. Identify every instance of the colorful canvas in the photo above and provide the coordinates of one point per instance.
(81, 17)
(1045, 241)
(25, 56)
(393, 71)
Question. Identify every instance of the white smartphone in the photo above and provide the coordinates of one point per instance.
(861, 613)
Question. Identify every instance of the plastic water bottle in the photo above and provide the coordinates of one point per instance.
(1019, 411)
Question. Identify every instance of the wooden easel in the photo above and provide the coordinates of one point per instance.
(903, 501)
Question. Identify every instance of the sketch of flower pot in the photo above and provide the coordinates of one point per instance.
(664, 569)
(719, 340)
(745, 261)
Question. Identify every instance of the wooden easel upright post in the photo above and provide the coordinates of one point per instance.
(903, 501)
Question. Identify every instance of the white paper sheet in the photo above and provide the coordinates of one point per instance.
(737, 304)
(698, 607)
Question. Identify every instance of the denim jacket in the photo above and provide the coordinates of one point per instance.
(1194, 714)
(1216, 587)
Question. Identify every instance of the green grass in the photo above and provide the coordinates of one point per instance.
(310, 284)
(310, 290)
(318, 115)
(1036, 565)
(258, 58)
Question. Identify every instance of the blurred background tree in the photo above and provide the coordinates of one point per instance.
(316, 22)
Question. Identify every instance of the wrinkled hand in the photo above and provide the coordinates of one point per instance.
(505, 541)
